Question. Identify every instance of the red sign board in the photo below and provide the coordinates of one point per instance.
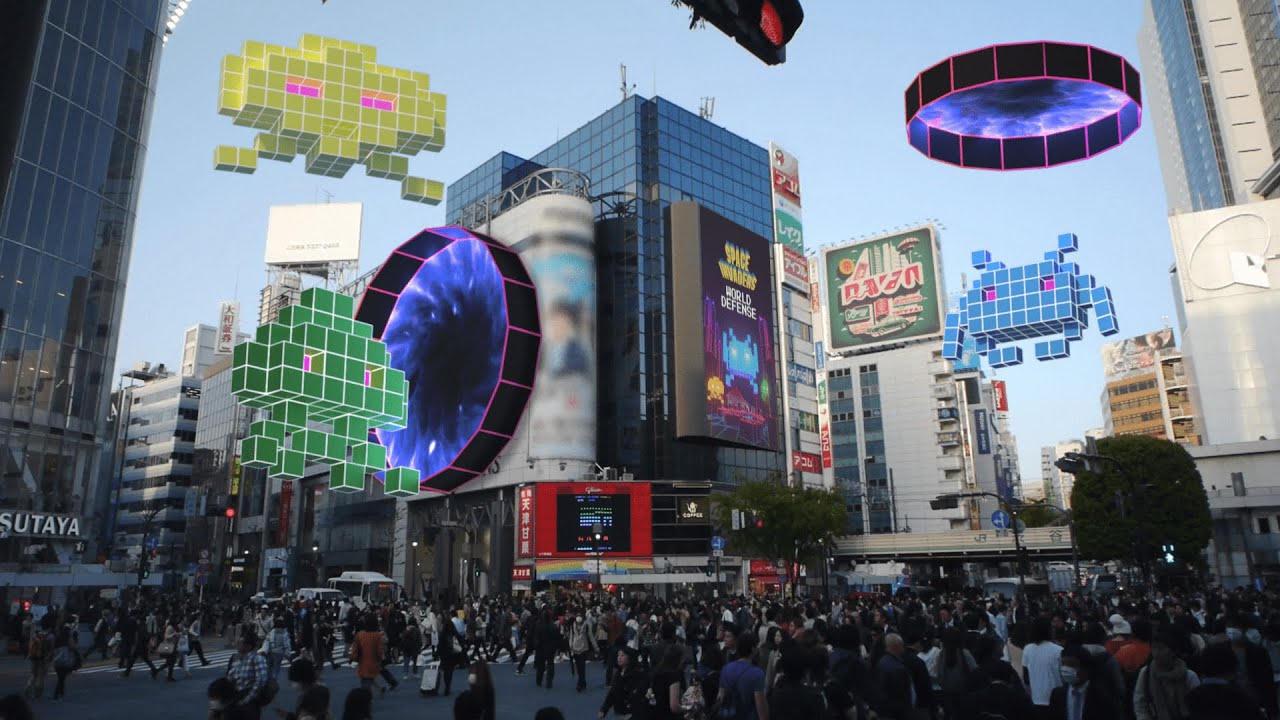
(286, 504)
(522, 573)
(795, 268)
(524, 522)
(767, 567)
(1001, 395)
(639, 505)
(825, 438)
(806, 462)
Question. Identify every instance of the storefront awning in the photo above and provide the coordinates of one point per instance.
(590, 568)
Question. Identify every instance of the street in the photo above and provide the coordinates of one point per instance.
(98, 692)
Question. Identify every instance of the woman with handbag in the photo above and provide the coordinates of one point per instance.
(168, 647)
(66, 658)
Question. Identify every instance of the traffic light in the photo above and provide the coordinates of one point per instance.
(1169, 556)
(144, 567)
(230, 512)
(945, 502)
(763, 27)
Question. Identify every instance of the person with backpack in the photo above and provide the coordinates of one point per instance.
(66, 658)
(742, 691)
(1163, 684)
(40, 654)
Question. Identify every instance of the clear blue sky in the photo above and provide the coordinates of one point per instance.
(517, 74)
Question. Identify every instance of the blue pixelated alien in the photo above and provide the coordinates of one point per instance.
(1005, 305)
(740, 360)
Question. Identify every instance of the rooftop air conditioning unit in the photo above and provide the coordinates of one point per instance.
(628, 477)
(610, 474)
(588, 477)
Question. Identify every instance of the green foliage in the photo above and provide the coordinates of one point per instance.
(1038, 514)
(795, 519)
(1173, 507)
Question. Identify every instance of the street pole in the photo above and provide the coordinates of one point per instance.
(597, 530)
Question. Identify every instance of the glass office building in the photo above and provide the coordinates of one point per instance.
(74, 111)
(641, 156)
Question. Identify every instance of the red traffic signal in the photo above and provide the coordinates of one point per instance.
(763, 27)
(759, 523)
(230, 512)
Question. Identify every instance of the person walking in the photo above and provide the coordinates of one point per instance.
(224, 702)
(628, 692)
(40, 647)
(410, 647)
(168, 648)
(546, 643)
(276, 647)
(581, 644)
(66, 658)
(141, 650)
(742, 690)
(1041, 665)
(358, 705)
(247, 670)
(480, 682)
(102, 635)
(1164, 683)
(366, 653)
(452, 653)
(195, 630)
(311, 694)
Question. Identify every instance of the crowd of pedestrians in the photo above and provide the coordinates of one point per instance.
(914, 656)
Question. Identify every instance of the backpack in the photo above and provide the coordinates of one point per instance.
(37, 647)
(729, 710)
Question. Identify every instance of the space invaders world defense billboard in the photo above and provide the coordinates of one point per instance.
(726, 360)
(884, 290)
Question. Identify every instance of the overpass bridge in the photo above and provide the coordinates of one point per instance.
(1045, 543)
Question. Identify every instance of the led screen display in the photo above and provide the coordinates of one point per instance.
(567, 512)
(726, 360)
(578, 515)
(884, 290)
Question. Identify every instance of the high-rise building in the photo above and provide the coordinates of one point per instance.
(1214, 97)
(74, 112)
(1147, 389)
(1057, 484)
(639, 157)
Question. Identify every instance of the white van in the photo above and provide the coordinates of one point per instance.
(366, 588)
(319, 594)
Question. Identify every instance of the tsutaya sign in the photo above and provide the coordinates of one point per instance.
(38, 524)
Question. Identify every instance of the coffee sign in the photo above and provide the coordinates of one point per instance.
(692, 509)
(37, 524)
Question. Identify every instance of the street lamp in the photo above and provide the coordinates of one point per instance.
(597, 534)
(1076, 462)
(951, 501)
(414, 545)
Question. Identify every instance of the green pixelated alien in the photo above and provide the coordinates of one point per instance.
(331, 102)
(317, 364)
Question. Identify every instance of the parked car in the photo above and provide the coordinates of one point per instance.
(265, 598)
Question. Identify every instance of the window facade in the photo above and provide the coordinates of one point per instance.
(66, 227)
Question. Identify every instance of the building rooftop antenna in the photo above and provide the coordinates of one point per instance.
(707, 108)
(626, 89)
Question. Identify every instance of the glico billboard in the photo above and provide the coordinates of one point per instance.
(726, 359)
(885, 290)
(568, 513)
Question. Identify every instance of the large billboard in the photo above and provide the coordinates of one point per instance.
(785, 173)
(554, 235)
(1135, 355)
(884, 290)
(568, 513)
(313, 234)
(726, 362)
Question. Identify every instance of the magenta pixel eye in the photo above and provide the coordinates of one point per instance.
(1023, 105)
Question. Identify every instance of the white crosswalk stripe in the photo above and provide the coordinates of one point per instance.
(217, 659)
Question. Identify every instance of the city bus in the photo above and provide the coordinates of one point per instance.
(366, 588)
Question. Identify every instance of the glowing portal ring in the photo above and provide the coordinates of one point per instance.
(1016, 62)
(517, 314)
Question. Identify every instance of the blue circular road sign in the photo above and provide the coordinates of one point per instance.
(1000, 519)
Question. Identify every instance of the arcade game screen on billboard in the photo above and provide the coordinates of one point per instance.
(568, 512)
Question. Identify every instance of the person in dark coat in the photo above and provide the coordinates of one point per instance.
(896, 692)
(546, 643)
(1078, 666)
(1257, 671)
(1219, 697)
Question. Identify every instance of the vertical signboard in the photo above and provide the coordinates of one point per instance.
(815, 287)
(286, 506)
(726, 379)
(884, 290)
(785, 172)
(820, 355)
(524, 522)
(1000, 395)
(228, 327)
(825, 436)
(982, 431)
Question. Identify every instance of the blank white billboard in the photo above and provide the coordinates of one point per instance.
(313, 234)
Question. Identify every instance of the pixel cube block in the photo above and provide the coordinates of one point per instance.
(1005, 305)
(332, 103)
(318, 365)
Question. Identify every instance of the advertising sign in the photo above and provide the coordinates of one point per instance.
(795, 269)
(1001, 394)
(693, 509)
(286, 504)
(801, 375)
(766, 567)
(884, 290)
(815, 288)
(724, 345)
(313, 234)
(39, 524)
(825, 438)
(235, 476)
(567, 514)
(820, 355)
(822, 392)
(806, 421)
(982, 431)
(522, 573)
(785, 171)
(806, 462)
(1136, 354)
(228, 327)
(524, 522)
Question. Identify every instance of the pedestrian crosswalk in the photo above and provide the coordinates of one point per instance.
(217, 659)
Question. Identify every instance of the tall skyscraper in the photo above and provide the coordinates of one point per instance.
(1213, 88)
(640, 156)
(1147, 389)
(74, 112)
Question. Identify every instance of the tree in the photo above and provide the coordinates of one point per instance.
(788, 522)
(1162, 489)
(1038, 513)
